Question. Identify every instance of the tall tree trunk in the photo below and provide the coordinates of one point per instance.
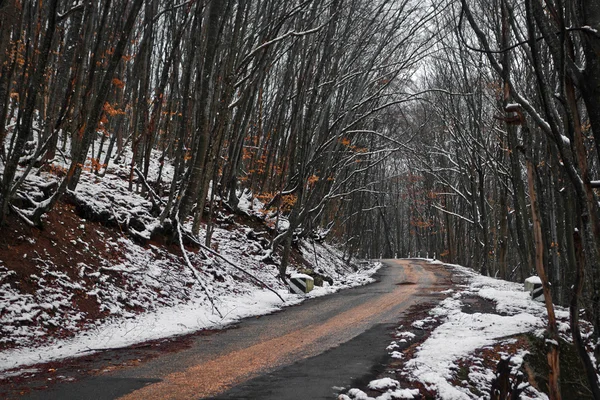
(210, 44)
(553, 343)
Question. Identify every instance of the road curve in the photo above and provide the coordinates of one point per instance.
(258, 357)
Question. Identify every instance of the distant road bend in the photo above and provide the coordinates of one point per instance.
(303, 352)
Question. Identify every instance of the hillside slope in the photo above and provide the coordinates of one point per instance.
(100, 275)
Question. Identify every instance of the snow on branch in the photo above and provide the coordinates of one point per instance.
(68, 12)
(383, 136)
(453, 214)
(192, 269)
(373, 208)
(173, 8)
(285, 36)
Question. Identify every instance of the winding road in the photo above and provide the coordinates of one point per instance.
(308, 351)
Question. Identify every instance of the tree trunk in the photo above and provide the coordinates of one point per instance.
(24, 129)
(553, 343)
(70, 180)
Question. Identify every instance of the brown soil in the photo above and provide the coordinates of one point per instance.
(66, 240)
(23, 248)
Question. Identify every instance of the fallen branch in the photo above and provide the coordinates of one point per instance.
(191, 267)
(211, 251)
(21, 215)
(147, 185)
(62, 154)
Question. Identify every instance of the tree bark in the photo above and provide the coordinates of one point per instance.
(553, 342)
(72, 176)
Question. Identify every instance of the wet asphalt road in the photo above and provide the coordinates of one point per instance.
(308, 351)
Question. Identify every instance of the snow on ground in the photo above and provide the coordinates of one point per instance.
(461, 334)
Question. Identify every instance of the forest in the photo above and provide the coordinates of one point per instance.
(463, 130)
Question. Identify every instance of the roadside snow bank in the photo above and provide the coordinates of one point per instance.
(460, 335)
(80, 286)
(85, 287)
(161, 322)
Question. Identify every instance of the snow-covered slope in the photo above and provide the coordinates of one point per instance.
(94, 278)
